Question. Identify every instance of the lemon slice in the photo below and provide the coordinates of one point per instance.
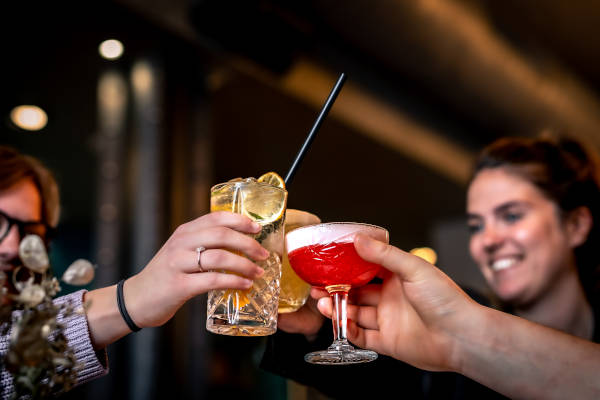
(273, 179)
(264, 206)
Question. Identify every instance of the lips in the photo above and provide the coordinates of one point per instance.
(502, 263)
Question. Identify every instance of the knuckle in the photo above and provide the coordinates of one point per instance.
(387, 254)
(212, 279)
(181, 229)
(220, 233)
(217, 257)
(172, 264)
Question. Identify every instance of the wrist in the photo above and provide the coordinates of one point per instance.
(468, 333)
(123, 308)
(105, 323)
(132, 302)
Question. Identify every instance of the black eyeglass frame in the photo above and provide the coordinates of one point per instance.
(22, 226)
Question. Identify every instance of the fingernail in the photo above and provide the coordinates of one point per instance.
(265, 253)
(259, 272)
(323, 302)
(365, 240)
(256, 226)
(247, 283)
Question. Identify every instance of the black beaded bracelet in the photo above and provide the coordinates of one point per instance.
(122, 309)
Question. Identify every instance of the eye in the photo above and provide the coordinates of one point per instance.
(512, 217)
(474, 227)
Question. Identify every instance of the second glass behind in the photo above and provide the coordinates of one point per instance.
(294, 291)
(251, 312)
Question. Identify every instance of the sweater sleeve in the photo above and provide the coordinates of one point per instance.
(93, 363)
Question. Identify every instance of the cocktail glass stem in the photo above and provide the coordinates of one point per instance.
(339, 298)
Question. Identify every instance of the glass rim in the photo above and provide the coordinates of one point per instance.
(244, 183)
(341, 223)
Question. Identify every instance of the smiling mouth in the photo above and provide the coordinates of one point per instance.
(503, 263)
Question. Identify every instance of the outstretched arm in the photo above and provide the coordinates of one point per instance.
(420, 316)
(172, 277)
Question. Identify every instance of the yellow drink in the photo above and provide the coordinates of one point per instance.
(251, 312)
(294, 291)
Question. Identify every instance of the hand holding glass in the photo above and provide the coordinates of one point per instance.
(251, 312)
(294, 291)
(324, 256)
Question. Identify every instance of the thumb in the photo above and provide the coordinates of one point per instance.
(406, 265)
(325, 307)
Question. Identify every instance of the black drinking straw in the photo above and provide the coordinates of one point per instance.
(328, 103)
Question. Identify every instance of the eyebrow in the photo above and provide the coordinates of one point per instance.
(500, 209)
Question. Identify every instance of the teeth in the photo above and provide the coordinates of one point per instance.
(504, 263)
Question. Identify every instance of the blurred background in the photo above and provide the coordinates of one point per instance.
(196, 92)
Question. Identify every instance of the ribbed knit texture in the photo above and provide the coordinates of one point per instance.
(93, 364)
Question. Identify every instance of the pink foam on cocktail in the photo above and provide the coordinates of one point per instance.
(331, 232)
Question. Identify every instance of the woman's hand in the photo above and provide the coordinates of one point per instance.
(173, 276)
(306, 321)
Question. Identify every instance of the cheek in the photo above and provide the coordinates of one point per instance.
(476, 251)
(528, 235)
(543, 244)
(537, 235)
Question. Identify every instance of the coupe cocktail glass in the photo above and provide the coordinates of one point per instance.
(324, 256)
(294, 291)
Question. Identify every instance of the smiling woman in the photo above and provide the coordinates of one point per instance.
(531, 206)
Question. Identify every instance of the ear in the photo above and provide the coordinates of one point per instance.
(579, 223)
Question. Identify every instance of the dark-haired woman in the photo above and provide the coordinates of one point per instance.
(531, 206)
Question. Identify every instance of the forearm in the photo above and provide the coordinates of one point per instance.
(104, 320)
(521, 359)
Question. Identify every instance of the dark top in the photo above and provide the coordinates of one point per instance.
(284, 356)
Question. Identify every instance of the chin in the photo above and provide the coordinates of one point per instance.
(514, 297)
(509, 290)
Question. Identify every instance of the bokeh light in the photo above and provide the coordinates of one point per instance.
(426, 253)
(111, 49)
(29, 117)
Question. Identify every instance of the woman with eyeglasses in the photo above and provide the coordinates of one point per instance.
(184, 267)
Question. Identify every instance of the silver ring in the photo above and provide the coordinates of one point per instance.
(199, 251)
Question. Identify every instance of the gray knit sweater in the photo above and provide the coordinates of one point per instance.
(94, 364)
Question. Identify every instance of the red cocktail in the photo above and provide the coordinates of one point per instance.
(324, 256)
(329, 264)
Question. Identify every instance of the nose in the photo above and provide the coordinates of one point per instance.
(491, 239)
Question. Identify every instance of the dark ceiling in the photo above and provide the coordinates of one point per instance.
(486, 67)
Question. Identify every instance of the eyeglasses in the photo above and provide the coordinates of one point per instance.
(25, 227)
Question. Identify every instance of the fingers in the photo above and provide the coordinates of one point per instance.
(220, 237)
(408, 266)
(324, 306)
(364, 338)
(368, 295)
(307, 321)
(317, 293)
(231, 220)
(219, 259)
(203, 282)
(364, 316)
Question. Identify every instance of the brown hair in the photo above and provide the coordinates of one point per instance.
(15, 167)
(567, 172)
